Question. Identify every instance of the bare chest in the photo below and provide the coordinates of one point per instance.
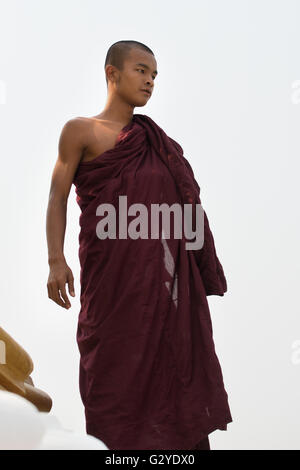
(100, 138)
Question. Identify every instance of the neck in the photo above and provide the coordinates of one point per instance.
(117, 110)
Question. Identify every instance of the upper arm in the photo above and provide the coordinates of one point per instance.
(70, 147)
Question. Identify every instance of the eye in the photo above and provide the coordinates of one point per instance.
(153, 76)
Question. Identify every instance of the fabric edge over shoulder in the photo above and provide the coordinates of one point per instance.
(211, 269)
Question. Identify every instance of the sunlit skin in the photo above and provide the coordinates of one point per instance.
(83, 139)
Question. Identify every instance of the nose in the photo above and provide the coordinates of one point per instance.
(149, 83)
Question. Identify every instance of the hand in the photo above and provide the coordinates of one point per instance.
(59, 275)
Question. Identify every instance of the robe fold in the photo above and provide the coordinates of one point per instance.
(149, 376)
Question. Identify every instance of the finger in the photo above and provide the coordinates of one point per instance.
(56, 297)
(64, 295)
(53, 294)
(51, 290)
(71, 284)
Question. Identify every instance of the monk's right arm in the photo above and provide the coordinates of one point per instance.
(71, 145)
(55, 228)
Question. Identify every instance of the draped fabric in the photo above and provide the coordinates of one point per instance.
(149, 374)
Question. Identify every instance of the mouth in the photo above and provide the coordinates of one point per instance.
(146, 91)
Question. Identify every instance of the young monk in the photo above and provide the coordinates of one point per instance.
(149, 374)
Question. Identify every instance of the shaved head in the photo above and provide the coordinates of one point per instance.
(119, 51)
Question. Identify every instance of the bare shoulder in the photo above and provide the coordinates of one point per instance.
(97, 134)
(82, 127)
(74, 127)
(73, 139)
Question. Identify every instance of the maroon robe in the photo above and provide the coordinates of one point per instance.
(149, 374)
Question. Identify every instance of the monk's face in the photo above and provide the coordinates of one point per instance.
(139, 72)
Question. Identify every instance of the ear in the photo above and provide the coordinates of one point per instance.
(111, 73)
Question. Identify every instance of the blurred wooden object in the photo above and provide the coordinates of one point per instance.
(15, 368)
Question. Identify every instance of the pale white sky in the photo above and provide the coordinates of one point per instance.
(225, 93)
